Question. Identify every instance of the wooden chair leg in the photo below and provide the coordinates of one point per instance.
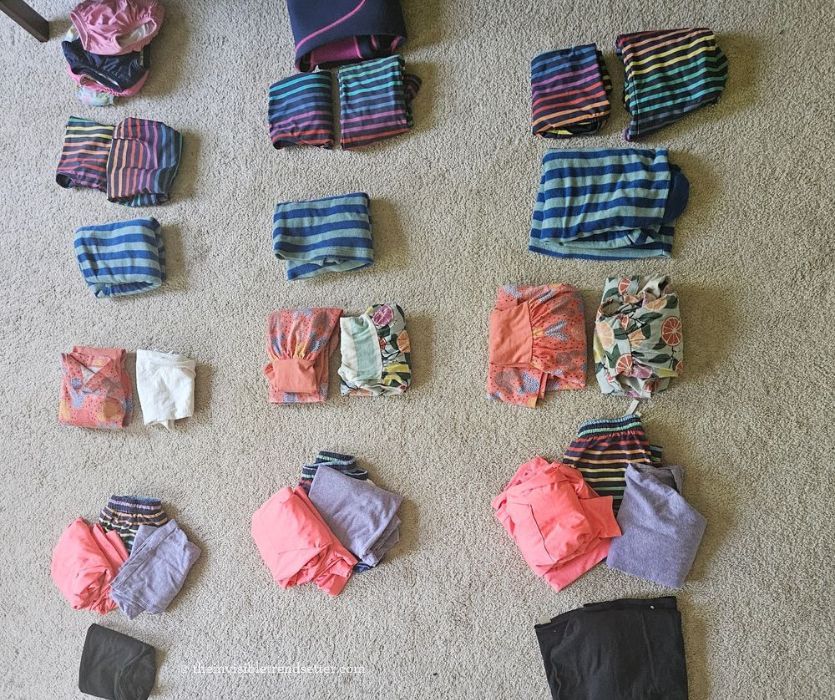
(27, 18)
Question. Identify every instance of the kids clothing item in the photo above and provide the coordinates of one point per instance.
(125, 257)
(165, 384)
(91, 97)
(375, 101)
(560, 525)
(84, 154)
(537, 343)
(114, 74)
(331, 32)
(84, 563)
(638, 344)
(344, 464)
(607, 204)
(376, 352)
(116, 666)
(604, 448)
(143, 162)
(661, 531)
(116, 27)
(155, 571)
(299, 343)
(96, 390)
(126, 514)
(361, 515)
(300, 111)
(668, 74)
(296, 544)
(569, 92)
(618, 650)
(332, 234)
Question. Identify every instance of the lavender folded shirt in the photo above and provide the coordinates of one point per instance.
(155, 571)
(361, 514)
(661, 531)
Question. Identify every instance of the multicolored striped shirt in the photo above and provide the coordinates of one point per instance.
(84, 155)
(125, 257)
(300, 111)
(607, 204)
(375, 101)
(144, 160)
(668, 74)
(569, 92)
(332, 234)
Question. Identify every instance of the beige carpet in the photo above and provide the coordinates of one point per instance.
(451, 613)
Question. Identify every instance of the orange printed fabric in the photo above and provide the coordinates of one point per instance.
(537, 343)
(299, 343)
(96, 391)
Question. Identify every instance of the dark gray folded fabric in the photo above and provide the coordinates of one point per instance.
(361, 514)
(661, 531)
(116, 666)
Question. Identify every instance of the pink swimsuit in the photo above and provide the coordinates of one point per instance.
(116, 27)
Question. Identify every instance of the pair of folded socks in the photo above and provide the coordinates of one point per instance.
(375, 104)
(115, 666)
(537, 343)
(96, 390)
(135, 162)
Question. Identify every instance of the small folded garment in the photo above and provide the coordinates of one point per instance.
(299, 343)
(296, 544)
(115, 666)
(537, 343)
(84, 154)
(362, 515)
(332, 32)
(668, 74)
(96, 390)
(604, 448)
(84, 564)
(143, 162)
(155, 571)
(300, 111)
(117, 75)
(165, 384)
(569, 92)
(560, 525)
(124, 515)
(376, 352)
(345, 464)
(638, 344)
(618, 650)
(332, 234)
(125, 257)
(375, 101)
(607, 204)
(117, 27)
(661, 531)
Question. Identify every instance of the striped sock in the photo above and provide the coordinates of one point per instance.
(300, 111)
(125, 257)
(125, 514)
(84, 155)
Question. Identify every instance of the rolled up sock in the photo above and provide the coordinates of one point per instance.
(300, 111)
(116, 666)
(121, 258)
(332, 234)
(84, 154)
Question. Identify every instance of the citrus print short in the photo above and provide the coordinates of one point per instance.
(638, 344)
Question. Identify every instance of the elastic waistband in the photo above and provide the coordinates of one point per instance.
(134, 504)
(631, 421)
(662, 603)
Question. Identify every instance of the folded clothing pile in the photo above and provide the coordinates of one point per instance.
(376, 352)
(107, 47)
(669, 73)
(537, 343)
(135, 162)
(607, 204)
(134, 558)
(334, 523)
(629, 648)
(638, 342)
(299, 111)
(115, 666)
(569, 92)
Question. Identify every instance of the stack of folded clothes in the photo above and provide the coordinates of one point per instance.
(335, 522)
(134, 558)
(107, 48)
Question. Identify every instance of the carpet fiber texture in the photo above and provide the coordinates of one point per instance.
(451, 612)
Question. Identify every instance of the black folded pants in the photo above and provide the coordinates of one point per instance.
(630, 649)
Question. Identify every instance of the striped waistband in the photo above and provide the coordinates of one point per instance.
(605, 426)
(130, 505)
